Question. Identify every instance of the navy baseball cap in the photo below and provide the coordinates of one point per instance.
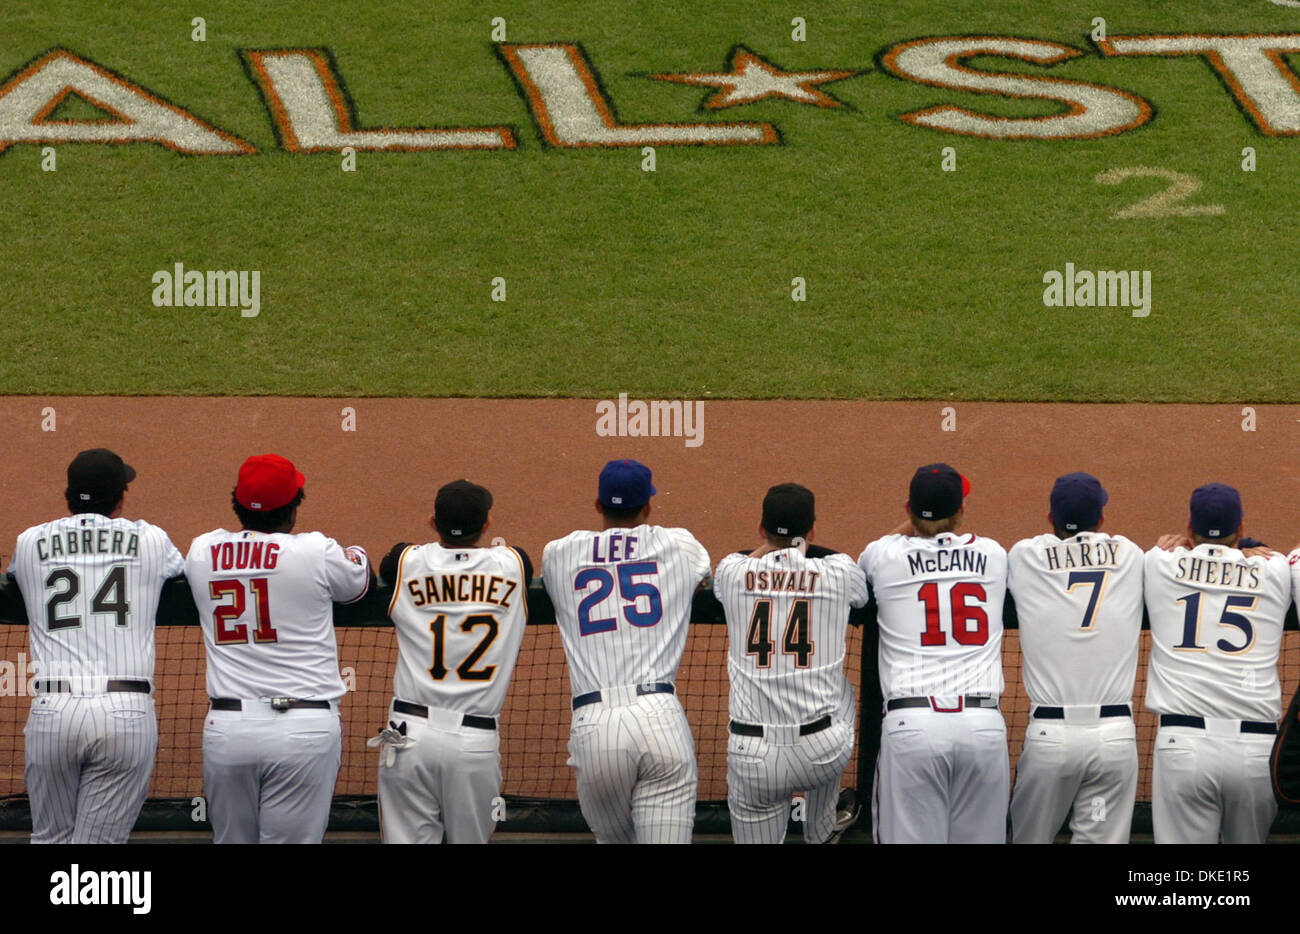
(788, 510)
(625, 484)
(460, 510)
(1076, 501)
(1216, 510)
(98, 475)
(937, 492)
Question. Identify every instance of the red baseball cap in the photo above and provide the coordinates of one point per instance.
(267, 481)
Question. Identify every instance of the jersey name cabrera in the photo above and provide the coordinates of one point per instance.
(787, 618)
(91, 586)
(265, 603)
(459, 615)
(1216, 630)
(1079, 603)
(940, 613)
(622, 600)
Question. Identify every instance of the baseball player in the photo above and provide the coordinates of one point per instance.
(787, 606)
(272, 737)
(91, 583)
(1078, 596)
(459, 609)
(1216, 630)
(943, 773)
(622, 599)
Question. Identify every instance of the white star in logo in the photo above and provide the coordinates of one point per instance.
(753, 78)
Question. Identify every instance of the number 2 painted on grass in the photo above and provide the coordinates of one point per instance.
(1182, 185)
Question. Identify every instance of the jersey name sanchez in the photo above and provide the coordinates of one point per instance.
(939, 603)
(91, 586)
(265, 603)
(459, 615)
(1079, 603)
(787, 619)
(622, 600)
(1216, 630)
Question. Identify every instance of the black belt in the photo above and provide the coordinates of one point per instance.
(419, 710)
(659, 687)
(114, 685)
(751, 729)
(1198, 723)
(277, 703)
(1058, 713)
(969, 700)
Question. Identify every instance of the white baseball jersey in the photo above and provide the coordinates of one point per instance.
(459, 615)
(623, 602)
(91, 586)
(787, 618)
(265, 604)
(1216, 630)
(1079, 603)
(940, 613)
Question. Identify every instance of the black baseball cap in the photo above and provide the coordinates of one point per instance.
(460, 509)
(1215, 510)
(1076, 501)
(788, 510)
(98, 475)
(937, 492)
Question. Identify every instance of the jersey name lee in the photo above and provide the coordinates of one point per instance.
(88, 542)
(945, 560)
(1082, 555)
(1223, 573)
(461, 588)
(783, 581)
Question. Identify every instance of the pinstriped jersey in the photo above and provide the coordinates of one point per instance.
(265, 602)
(787, 620)
(91, 585)
(1079, 603)
(940, 613)
(459, 615)
(622, 600)
(1216, 631)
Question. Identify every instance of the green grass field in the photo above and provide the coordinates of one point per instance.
(677, 283)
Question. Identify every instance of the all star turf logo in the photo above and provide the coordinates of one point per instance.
(310, 111)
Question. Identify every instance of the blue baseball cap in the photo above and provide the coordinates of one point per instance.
(625, 484)
(937, 491)
(1216, 510)
(1076, 501)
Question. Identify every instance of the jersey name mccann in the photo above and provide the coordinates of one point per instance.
(943, 560)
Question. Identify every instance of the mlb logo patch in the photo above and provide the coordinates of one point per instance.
(462, 556)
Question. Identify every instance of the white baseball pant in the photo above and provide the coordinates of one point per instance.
(269, 775)
(1084, 766)
(635, 759)
(764, 771)
(89, 758)
(441, 782)
(942, 777)
(1212, 783)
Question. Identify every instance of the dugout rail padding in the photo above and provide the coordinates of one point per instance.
(541, 813)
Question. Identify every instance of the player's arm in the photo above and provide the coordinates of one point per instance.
(347, 571)
(527, 564)
(390, 564)
(12, 607)
(176, 603)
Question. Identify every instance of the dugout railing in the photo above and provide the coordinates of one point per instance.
(538, 789)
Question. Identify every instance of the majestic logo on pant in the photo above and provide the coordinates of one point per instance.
(87, 887)
(310, 110)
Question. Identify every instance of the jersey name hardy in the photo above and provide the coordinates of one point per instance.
(88, 542)
(461, 588)
(945, 560)
(1224, 573)
(787, 581)
(1082, 555)
(259, 556)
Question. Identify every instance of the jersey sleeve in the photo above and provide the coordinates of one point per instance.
(700, 566)
(527, 564)
(859, 592)
(173, 560)
(347, 571)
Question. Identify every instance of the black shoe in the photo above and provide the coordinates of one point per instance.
(847, 811)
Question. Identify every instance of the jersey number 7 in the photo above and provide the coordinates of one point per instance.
(970, 624)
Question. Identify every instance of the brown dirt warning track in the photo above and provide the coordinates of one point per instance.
(374, 486)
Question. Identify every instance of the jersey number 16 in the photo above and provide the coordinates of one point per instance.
(970, 623)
